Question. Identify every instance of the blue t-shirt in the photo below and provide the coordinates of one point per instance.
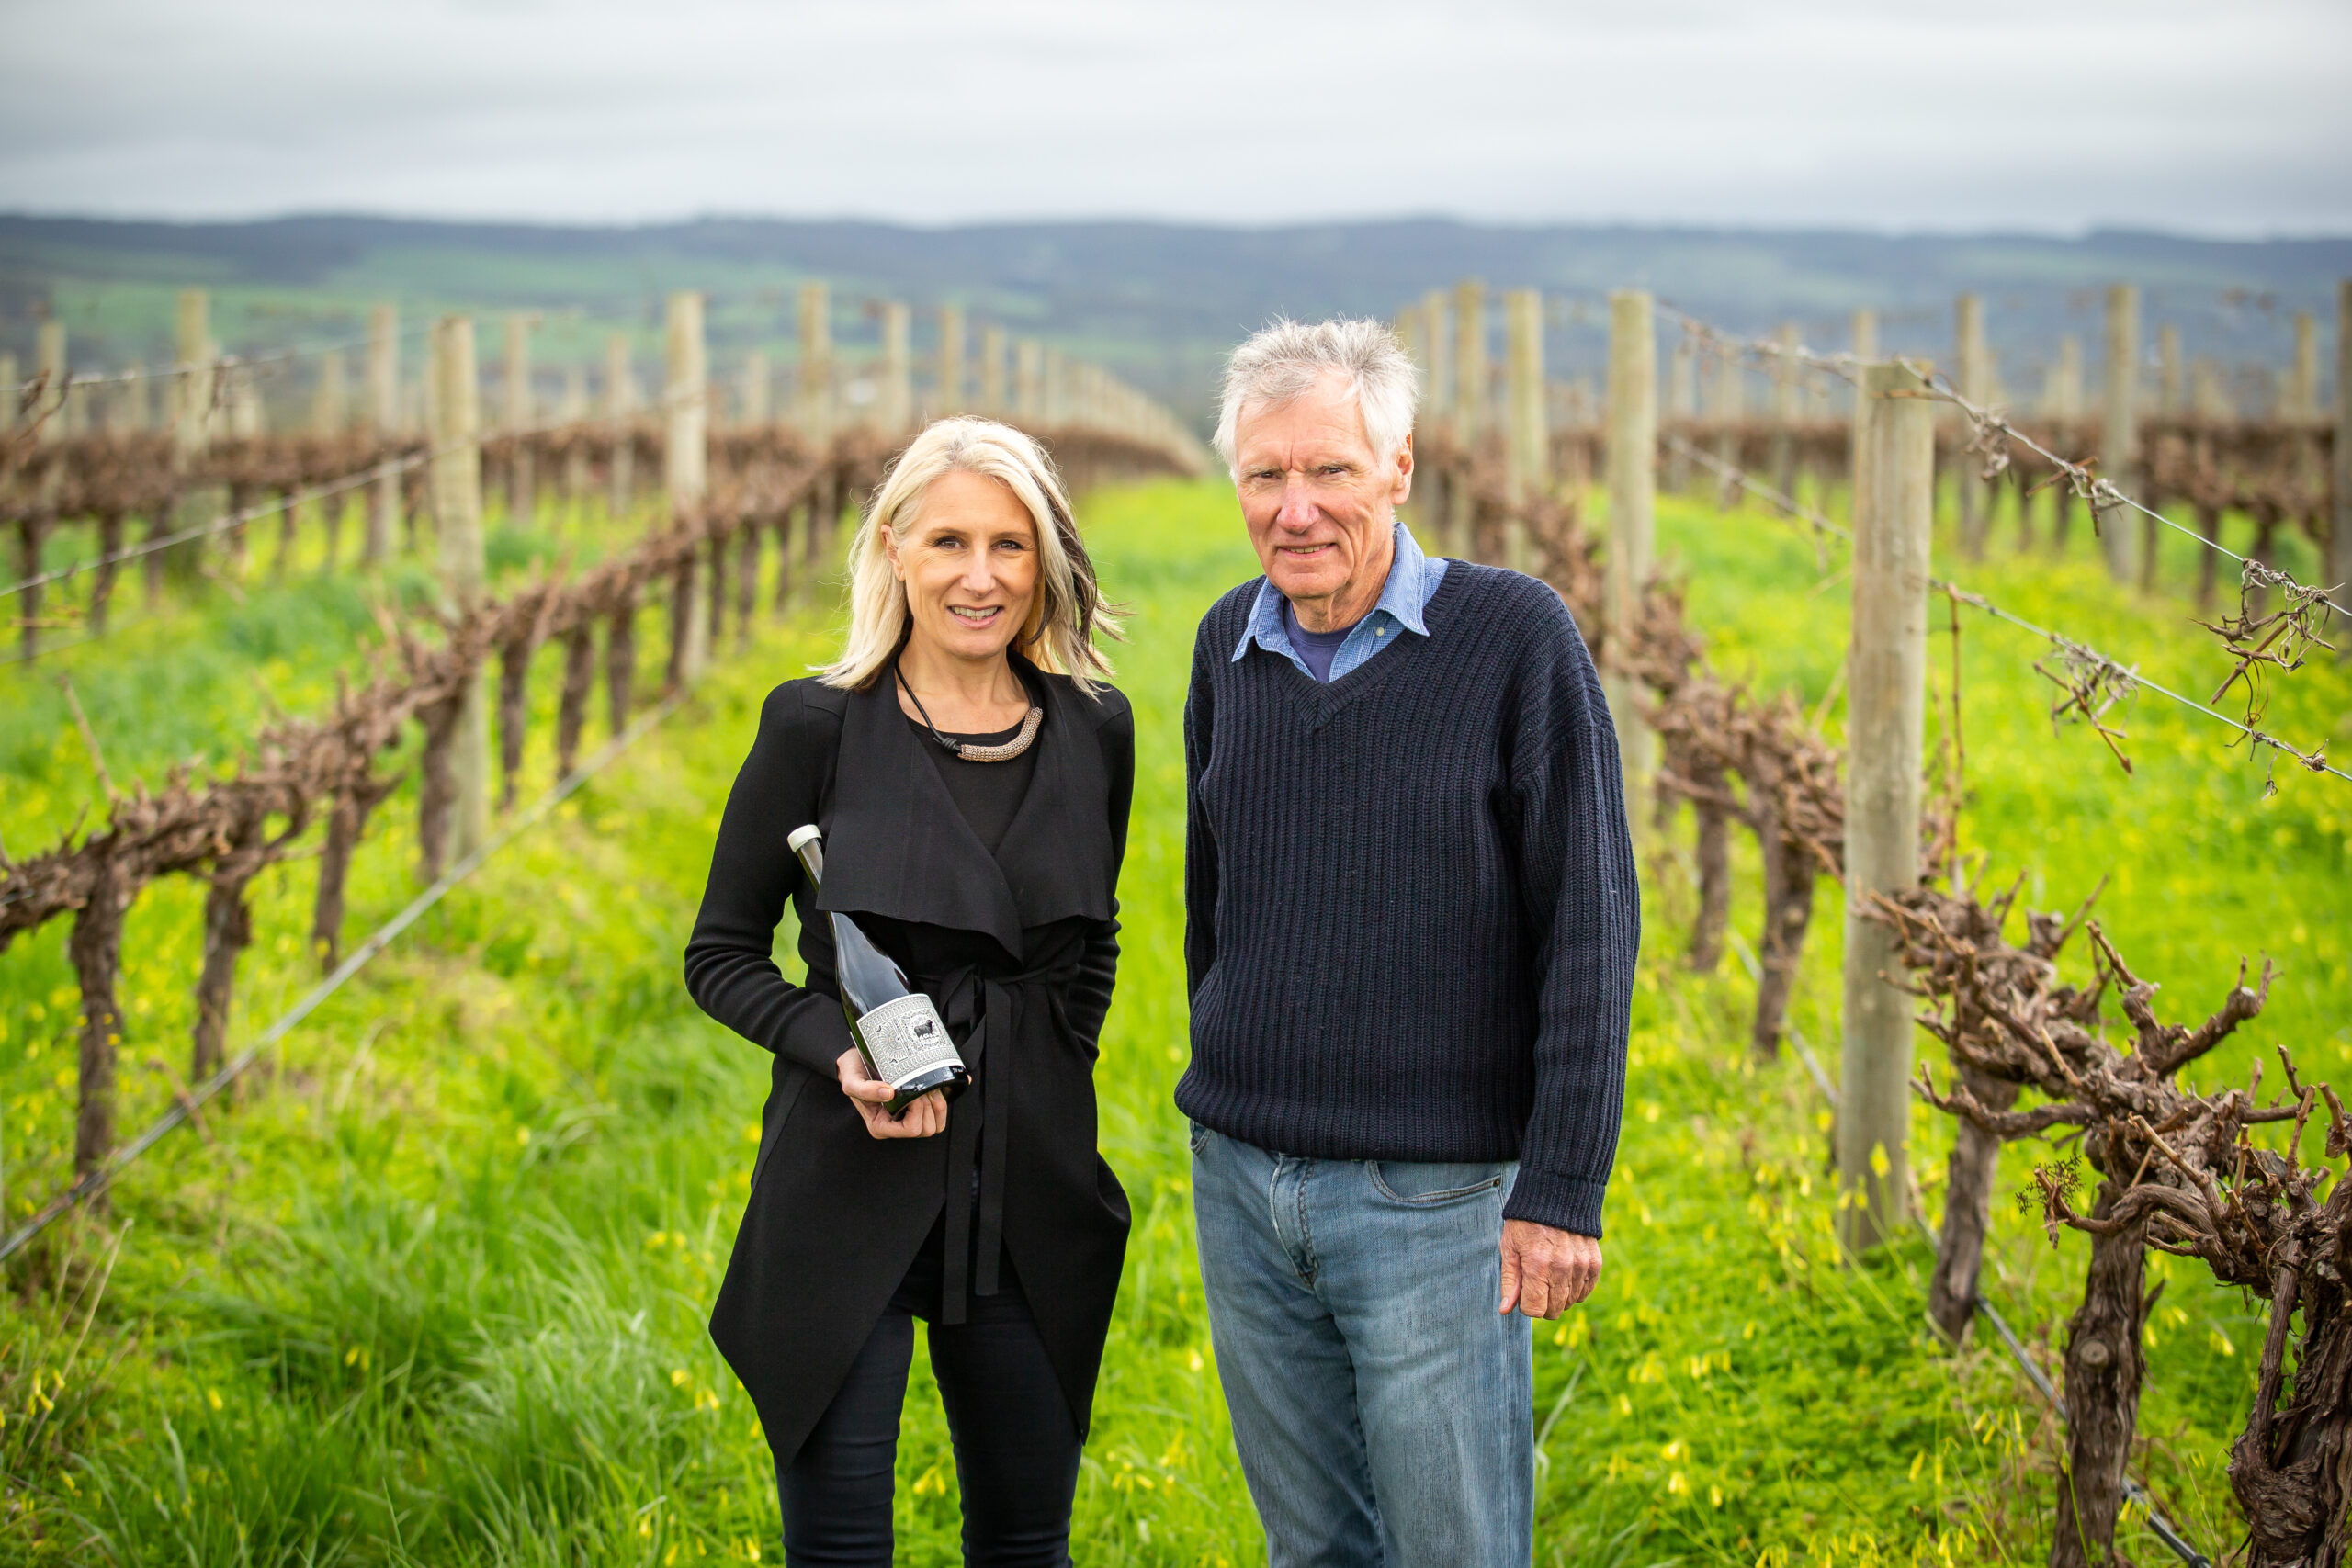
(1413, 579)
(1315, 649)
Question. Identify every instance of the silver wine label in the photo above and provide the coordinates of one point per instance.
(904, 1037)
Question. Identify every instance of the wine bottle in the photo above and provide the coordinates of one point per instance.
(899, 1032)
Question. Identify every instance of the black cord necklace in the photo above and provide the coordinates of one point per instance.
(965, 749)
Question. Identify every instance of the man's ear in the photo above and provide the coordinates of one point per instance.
(1402, 488)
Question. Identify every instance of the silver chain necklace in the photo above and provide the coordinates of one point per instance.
(965, 749)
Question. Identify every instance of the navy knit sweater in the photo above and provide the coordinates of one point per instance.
(1412, 910)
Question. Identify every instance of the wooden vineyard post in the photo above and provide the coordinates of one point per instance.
(48, 363)
(573, 412)
(894, 409)
(199, 375)
(1437, 329)
(384, 420)
(1786, 386)
(1055, 388)
(2062, 400)
(1682, 407)
(331, 399)
(1471, 382)
(197, 387)
(1412, 336)
(48, 415)
(1862, 340)
(1632, 504)
(1472, 378)
(620, 479)
(685, 469)
(2339, 575)
(515, 416)
(1968, 334)
(950, 390)
(456, 510)
(2169, 385)
(2302, 373)
(1528, 430)
(992, 349)
(2118, 431)
(1029, 384)
(1729, 413)
(815, 413)
(330, 417)
(1437, 332)
(751, 405)
(1886, 667)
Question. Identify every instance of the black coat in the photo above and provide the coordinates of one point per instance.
(1017, 949)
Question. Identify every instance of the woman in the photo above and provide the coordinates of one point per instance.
(972, 778)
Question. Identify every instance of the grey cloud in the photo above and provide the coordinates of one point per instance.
(2162, 113)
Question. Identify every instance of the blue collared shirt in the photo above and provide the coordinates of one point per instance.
(1412, 582)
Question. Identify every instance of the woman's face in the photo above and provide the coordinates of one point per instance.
(969, 563)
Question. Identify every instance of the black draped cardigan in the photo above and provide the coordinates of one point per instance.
(1018, 949)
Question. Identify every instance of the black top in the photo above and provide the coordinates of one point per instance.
(1411, 914)
(1017, 946)
(987, 794)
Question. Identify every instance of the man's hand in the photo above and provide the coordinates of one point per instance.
(1546, 1271)
(924, 1118)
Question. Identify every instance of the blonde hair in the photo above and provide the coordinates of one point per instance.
(1067, 608)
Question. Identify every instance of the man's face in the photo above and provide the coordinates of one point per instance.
(1320, 503)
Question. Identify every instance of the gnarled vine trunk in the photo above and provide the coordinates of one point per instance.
(571, 707)
(2104, 1366)
(1967, 1209)
(96, 950)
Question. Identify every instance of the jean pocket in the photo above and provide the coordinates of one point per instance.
(1426, 1184)
(1200, 1136)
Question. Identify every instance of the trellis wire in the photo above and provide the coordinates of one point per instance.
(254, 514)
(268, 357)
(194, 1099)
(2315, 761)
(2097, 491)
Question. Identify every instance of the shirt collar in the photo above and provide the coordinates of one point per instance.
(1402, 596)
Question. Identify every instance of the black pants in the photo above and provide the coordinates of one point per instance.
(1016, 1446)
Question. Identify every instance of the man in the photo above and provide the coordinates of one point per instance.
(1412, 920)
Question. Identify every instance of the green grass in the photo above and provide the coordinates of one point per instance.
(431, 1289)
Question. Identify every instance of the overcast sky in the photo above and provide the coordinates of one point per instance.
(2192, 115)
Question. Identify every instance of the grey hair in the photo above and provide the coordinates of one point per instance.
(1282, 362)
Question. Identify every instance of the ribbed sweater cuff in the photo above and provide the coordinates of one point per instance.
(1563, 1203)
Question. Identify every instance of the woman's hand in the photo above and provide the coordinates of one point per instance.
(926, 1116)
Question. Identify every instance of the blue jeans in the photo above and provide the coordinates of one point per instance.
(1382, 1408)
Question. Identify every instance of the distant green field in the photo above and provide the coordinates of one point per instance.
(431, 1290)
